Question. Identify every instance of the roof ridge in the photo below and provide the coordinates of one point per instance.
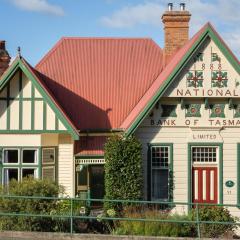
(49, 53)
(107, 38)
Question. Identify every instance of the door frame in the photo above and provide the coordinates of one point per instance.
(220, 169)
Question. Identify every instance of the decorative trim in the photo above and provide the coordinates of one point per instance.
(195, 78)
(89, 156)
(220, 170)
(193, 110)
(208, 32)
(219, 79)
(217, 110)
(19, 64)
(168, 110)
(90, 161)
(237, 111)
(20, 100)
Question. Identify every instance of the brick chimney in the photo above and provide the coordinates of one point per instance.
(176, 29)
(4, 58)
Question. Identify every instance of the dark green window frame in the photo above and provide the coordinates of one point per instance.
(220, 169)
(170, 167)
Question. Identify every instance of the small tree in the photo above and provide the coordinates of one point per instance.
(123, 169)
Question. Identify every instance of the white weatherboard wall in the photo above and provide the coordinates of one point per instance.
(66, 170)
(8, 140)
(183, 129)
(28, 109)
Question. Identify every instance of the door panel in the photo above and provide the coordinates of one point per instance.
(205, 184)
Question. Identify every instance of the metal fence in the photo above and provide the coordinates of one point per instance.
(68, 210)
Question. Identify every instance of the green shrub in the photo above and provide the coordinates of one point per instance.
(215, 214)
(151, 228)
(63, 208)
(123, 170)
(29, 187)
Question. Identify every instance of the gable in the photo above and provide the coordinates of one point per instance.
(173, 72)
(22, 107)
(26, 107)
(208, 74)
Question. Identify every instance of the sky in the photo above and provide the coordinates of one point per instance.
(36, 25)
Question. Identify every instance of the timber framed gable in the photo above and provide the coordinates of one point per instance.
(27, 107)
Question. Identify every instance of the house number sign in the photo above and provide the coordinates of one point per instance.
(229, 183)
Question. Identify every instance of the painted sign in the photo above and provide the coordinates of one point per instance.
(229, 183)
(193, 122)
(208, 75)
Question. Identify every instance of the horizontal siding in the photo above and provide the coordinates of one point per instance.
(65, 164)
(180, 138)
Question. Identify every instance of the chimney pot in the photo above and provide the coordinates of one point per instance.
(2, 45)
(170, 6)
(4, 57)
(182, 6)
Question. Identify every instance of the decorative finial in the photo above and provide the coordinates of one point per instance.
(19, 52)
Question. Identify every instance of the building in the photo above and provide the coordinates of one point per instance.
(182, 102)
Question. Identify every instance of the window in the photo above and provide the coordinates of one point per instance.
(29, 172)
(10, 174)
(29, 156)
(10, 156)
(48, 163)
(160, 172)
(204, 154)
(19, 163)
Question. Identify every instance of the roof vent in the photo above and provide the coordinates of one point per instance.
(182, 6)
(170, 6)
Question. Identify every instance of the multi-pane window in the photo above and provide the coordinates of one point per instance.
(160, 162)
(49, 163)
(204, 154)
(19, 163)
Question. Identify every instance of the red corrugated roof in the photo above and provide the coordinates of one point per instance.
(90, 145)
(98, 81)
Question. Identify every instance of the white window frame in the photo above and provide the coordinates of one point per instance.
(3, 157)
(10, 168)
(36, 160)
(205, 163)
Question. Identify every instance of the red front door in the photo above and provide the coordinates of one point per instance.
(205, 185)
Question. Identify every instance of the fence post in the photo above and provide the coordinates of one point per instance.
(71, 217)
(198, 224)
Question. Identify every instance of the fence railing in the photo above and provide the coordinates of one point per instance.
(66, 211)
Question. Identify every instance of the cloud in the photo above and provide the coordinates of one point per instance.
(129, 16)
(224, 14)
(42, 6)
(232, 40)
